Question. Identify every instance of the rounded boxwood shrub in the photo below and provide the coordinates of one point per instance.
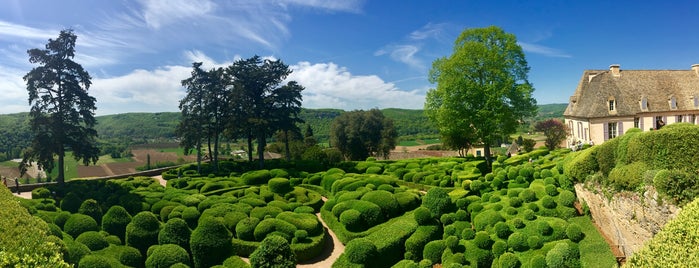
(502, 230)
(115, 220)
(274, 251)
(71, 203)
(499, 247)
(90, 208)
(385, 200)
(143, 231)
(304, 209)
(535, 242)
(509, 260)
(548, 202)
(486, 218)
(527, 195)
(433, 250)
(574, 232)
(561, 255)
(676, 184)
(482, 240)
(40, 193)
(468, 234)
(352, 220)
(551, 190)
(257, 177)
(245, 229)
(423, 216)
(175, 231)
(93, 240)
(272, 225)
(280, 185)
(566, 198)
(61, 218)
(538, 261)
(80, 223)
(518, 241)
(515, 202)
(437, 201)
(76, 251)
(191, 216)
(167, 255)
(262, 212)
(544, 228)
(360, 250)
(518, 223)
(210, 243)
(130, 256)
(533, 207)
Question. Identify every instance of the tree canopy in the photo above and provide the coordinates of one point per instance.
(554, 130)
(62, 112)
(360, 134)
(482, 91)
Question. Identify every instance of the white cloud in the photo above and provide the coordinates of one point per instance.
(14, 91)
(158, 13)
(430, 30)
(157, 90)
(340, 5)
(21, 31)
(543, 50)
(331, 86)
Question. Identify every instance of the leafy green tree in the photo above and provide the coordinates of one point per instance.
(360, 134)
(528, 144)
(287, 106)
(308, 138)
(62, 112)
(554, 130)
(193, 112)
(482, 88)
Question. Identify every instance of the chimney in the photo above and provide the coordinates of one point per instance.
(695, 68)
(614, 68)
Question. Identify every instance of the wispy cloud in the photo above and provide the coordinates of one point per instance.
(407, 51)
(21, 31)
(162, 12)
(404, 54)
(544, 50)
(431, 30)
(354, 6)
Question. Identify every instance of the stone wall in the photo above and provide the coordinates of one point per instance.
(628, 219)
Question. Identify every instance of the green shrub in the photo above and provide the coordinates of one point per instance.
(562, 256)
(191, 216)
(566, 198)
(580, 165)
(210, 243)
(143, 231)
(257, 177)
(438, 202)
(61, 218)
(468, 234)
(499, 247)
(304, 209)
(574, 232)
(80, 223)
(509, 260)
(130, 256)
(41, 193)
(93, 240)
(518, 242)
(352, 220)
(679, 186)
(423, 216)
(518, 223)
(417, 241)
(482, 240)
(538, 261)
(544, 228)
(371, 213)
(548, 202)
(303, 221)
(360, 251)
(606, 155)
(98, 261)
(175, 231)
(486, 218)
(515, 202)
(433, 250)
(274, 251)
(535, 242)
(276, 226)
(262, 212)
(235, 262)
(76, 251)
(280, 185)
(385, 200)
(167, 255)
(245, 229)
(71, 203)
(502, 230)
(115, 220)
(551, 190)
(628, 177)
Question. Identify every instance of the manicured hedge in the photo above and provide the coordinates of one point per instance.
(93, 240)
(581, 164)
(115, 221)
(679, 186)
(175, 231)
(360, 251)
(80, 223)
(276, 226)
(274, 251)
(143, 231)
(422, 235)
(167, 255)
(303, 221)
(210, 243)
(385, 200)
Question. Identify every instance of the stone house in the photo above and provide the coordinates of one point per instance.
(608, 102)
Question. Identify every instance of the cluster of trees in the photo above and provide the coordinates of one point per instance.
(360, 134)
(244, 100)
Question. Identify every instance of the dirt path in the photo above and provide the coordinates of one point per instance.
(333, 249)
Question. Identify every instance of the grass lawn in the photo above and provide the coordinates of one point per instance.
(178, 150)
(11, 164)
(594, 250)
(106, 159)
(408, 143)
(71, 167)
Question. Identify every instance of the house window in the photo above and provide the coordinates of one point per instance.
(659, 122)
(694, 119)
(673, 103)
(612, 131)
(612, 105)
(696, 101)
(636, 122)
(679, 118)
(570, 128)
(580, 128)
(644, 104)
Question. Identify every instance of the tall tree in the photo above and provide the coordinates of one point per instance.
(482, 88)
(554, 130)
(190, 128)
(360, 134)
(62, 113)
(287, 106)
(255, 80)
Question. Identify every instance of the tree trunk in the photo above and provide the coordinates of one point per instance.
(61, 167)
(488, 158)
(250, 146)
(199, 156)
(215, 156)
(261, 143)
(286, 143)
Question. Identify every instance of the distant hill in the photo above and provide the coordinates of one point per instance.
(155, 127)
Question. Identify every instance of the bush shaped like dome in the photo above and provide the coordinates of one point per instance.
(166, 256)
(130, 256)
(80, 223)
(385, 200)
(210, 243)
(115, 220)
(143, 231)
(93, 240)
(360, 250)
(90, 208)
(280, 186)
(98, 261)
(175, 231)
(71, 203)
(274, 251)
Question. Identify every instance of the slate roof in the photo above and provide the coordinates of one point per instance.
(595, 88)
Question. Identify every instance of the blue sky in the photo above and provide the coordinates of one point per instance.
(349, 54)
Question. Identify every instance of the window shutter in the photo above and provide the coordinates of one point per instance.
(620, 129)
(606, 131)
